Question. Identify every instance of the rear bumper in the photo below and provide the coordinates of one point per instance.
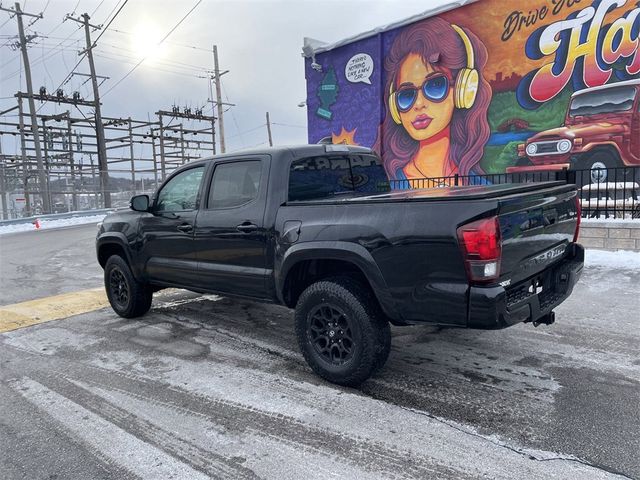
(497, 307)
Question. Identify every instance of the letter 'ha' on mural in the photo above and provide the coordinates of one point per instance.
(487, 87)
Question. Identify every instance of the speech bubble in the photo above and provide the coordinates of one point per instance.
(359, 68)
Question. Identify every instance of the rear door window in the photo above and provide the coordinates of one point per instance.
(337, 175)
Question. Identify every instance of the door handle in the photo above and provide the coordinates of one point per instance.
(247, 227)
(185, 227)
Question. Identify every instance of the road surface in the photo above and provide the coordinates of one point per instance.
(47, 262)
(209, 387)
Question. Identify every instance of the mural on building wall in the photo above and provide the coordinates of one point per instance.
(488, 87)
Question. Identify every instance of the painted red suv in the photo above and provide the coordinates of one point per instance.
(601, 131)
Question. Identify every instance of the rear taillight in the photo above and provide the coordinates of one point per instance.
(481, 247)
(579, 216)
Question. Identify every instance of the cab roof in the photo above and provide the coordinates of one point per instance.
(296, 151)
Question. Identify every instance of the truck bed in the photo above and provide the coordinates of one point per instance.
(436, 194)
(416, 246)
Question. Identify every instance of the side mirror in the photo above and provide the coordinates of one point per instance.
(139, 203)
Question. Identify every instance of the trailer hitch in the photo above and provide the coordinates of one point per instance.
(547, 319)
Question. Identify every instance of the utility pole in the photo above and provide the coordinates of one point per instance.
(216, 76)
(269, 130)
(100, 140)
(3, 185)
(42, 176)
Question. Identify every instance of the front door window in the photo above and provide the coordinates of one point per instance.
(181, 192)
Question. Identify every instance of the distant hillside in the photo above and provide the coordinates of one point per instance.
(504, 107)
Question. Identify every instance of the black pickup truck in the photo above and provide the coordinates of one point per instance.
(317, 228)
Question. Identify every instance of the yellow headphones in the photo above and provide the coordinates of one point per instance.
(465, 89)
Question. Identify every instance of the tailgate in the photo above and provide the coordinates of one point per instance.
(536, 228)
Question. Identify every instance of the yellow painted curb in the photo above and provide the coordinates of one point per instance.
(42, 310)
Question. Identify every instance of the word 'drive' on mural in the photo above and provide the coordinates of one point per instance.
(489, 87)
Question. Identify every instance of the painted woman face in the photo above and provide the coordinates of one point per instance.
(424, 98)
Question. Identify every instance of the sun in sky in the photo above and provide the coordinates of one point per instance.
(145, 41)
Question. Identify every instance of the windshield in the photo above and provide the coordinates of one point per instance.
(609, 100)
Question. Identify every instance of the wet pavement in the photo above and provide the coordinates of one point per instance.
(209, 387)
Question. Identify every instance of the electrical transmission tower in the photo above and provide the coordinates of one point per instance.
(42, 176)
(173, 136)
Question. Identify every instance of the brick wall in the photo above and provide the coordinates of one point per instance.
(610, 235)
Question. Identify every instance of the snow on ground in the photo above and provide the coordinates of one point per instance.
(586, 221)
(622, 259)
(53, 223)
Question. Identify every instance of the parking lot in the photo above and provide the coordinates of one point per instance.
(211, 387)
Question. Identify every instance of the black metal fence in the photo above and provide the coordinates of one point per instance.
(604, 192)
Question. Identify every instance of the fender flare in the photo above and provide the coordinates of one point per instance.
(343, 251)
(117, 238)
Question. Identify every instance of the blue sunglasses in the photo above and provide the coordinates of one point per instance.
(434, 89)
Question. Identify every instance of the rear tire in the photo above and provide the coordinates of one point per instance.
(128, 297)
(341, 330)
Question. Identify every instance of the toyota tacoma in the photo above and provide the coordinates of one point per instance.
(316, 228)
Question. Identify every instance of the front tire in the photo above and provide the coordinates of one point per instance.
(599, 167)
(341, 330)
(128, 297)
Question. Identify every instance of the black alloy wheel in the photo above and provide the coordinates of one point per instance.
(119, 288)
(330, 334)
(128, 297)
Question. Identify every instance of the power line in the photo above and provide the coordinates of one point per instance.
(130, 54)
(159, 43)
(287, 125)
(105, 28)
(41, 13)
(96, 9)
(193, 47)
(233, 115)
(133, 62)
(250, 146)
(259, 127)
(93, 44)
(6, 21)
(68, 77)
(73, 12)
(36, 61)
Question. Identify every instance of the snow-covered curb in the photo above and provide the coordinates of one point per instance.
(622, 259)
(611, 222)
(54, 223)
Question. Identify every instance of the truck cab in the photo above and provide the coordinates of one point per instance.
(601, 131)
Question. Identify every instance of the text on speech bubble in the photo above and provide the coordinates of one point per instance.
(359, 68)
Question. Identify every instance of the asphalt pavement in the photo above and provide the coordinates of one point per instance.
(42, 263)
(209, 387)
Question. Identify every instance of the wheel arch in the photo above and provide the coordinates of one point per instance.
(309, 262)
(112, 244)
(611, 148)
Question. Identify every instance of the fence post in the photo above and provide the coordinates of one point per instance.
(455, 180)
(569, 176)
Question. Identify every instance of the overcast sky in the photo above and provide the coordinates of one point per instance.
(259, 42)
